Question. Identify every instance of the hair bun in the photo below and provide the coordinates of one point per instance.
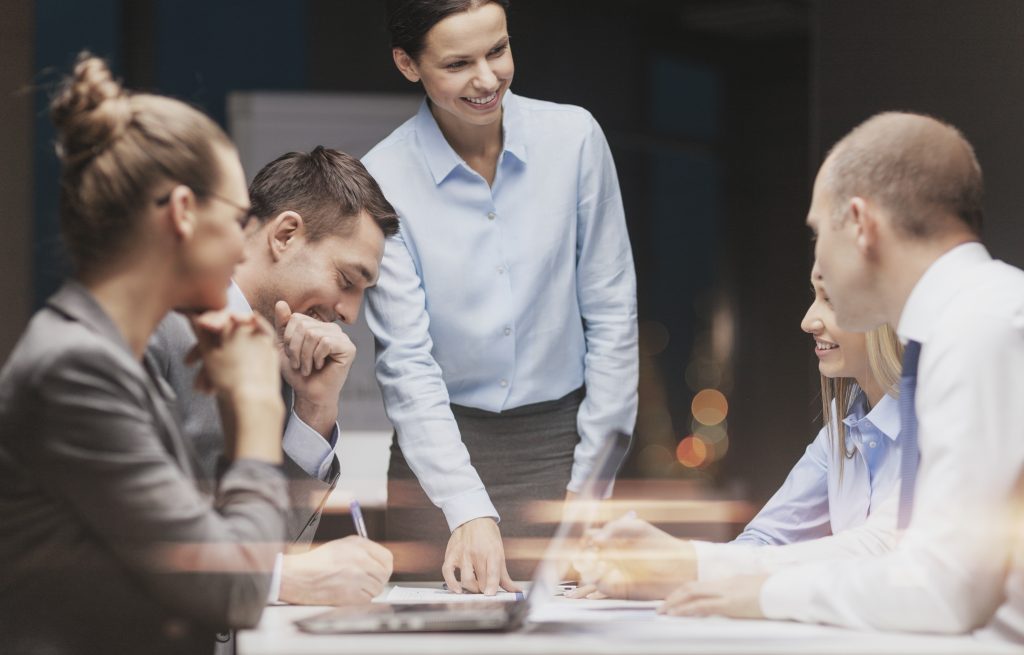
(90, 111)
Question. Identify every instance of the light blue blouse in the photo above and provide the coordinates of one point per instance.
(498, 296)
(813, 502)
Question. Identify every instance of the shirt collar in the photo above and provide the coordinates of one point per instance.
(885, 415)
(442, 158)
(513, 134)
(934, 290)
(236, 300)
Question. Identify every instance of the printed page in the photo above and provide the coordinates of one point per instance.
(437, 595)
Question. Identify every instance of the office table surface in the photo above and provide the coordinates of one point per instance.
(617, 631)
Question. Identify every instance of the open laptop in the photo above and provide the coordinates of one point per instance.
(484, 615)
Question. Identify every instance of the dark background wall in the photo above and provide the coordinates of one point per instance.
(16, 39)
(960, 61)
(717, 111)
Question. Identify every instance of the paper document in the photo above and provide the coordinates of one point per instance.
(435, 595)
(566, 610)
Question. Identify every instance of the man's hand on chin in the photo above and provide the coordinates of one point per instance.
(316, 357)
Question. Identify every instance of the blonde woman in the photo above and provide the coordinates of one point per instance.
(839, 499)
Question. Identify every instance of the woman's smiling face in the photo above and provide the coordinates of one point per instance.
(840, 353)
(466, 67)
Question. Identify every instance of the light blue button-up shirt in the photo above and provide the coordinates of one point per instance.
(814, 502)
(500, 296)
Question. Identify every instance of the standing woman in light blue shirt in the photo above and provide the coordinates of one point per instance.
(505, 316)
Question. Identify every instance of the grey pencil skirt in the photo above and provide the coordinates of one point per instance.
(523, 455)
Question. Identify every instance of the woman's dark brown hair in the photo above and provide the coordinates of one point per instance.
(410, 20)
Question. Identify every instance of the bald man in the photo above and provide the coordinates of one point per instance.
(897, 211)
(897, 214)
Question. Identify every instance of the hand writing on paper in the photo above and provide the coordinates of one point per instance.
(475, 549)
(738, 597)
(340, 572)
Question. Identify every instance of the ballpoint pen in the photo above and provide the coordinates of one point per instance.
(357, 518)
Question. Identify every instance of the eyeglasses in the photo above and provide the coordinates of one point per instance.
(244, 219)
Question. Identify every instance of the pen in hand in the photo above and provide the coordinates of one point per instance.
(357, 518)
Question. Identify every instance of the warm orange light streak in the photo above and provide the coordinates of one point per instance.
(655, 511)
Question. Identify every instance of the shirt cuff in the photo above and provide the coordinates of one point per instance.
(580, 473)
(577, 478)
(718, 561)
(706, 567)
(308, 448)
(468, 506)
(786, 595)
(275, 580)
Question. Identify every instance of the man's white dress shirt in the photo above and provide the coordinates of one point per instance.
(947, 572)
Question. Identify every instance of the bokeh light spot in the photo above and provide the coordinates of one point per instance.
(692, 452)
(716, 449)
(715, 437)
(710, 433)
(710, 407)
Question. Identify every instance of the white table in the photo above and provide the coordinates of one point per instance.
(628, 635)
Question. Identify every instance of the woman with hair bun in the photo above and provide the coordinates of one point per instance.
(107, 545)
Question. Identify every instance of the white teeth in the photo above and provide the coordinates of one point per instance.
(824, 345)
(483, 101)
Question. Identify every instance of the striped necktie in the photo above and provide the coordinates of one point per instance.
(909, 454)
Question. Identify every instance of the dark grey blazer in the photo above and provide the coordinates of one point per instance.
(106, 545)
(201, 426)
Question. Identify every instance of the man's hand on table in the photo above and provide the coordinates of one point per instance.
(630, 558)
(738, 597)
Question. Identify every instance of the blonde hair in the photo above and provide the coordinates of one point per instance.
(114, 148)
(885, 361)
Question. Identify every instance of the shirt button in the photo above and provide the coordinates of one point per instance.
(501, 270)
(508, 331)
(503, 383)
(491, 215)
(872, 444)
